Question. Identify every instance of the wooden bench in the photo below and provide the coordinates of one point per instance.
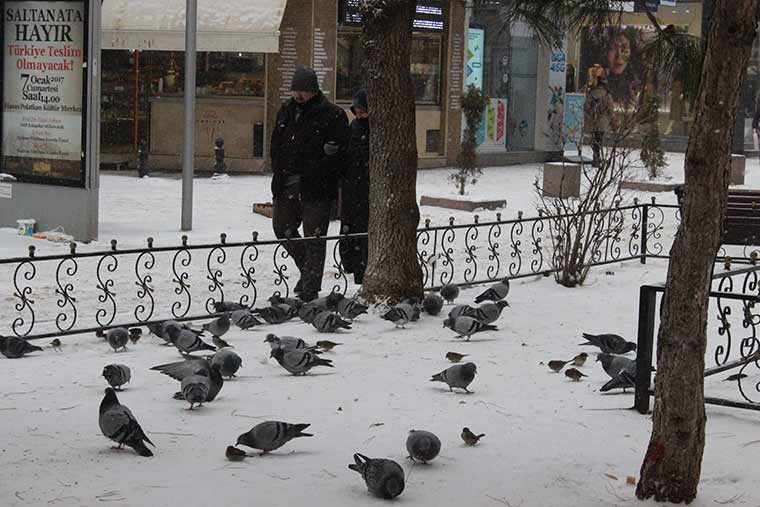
(741, 224)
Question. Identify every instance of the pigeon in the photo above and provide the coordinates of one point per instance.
(735, 377)
(287, 343)
(298, 361)
(432, 304)
(496, 292)
(623, 380)
(328, 322)
(556, 366)
(414, 303)
(135, 334)
(327, 345)
(350, 308)
(195, 387)
(270, 435)
(117, 337)
(455, 357)
(227, 361)
(580, 359)
(467, 326)
(307, 313)
(118, 424)
(186, 341)
(574, 374)
(117, 375)
(276, 314)
(219, 326)
(488, 312)
(422, 446)
(327, 303)
(400, 314)
(181, 369)
(459, 376)
(234, 454)
(277, 299)
(449, 292)
(227, 306)
(219, 343)
(56, 344)
(161, 329)
(609, 343)
(613, 364)
(244, 319)
(461, 311)
(384, 477)
(14, 347)
(471, 438)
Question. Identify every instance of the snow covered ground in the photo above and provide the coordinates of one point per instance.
(549, 441)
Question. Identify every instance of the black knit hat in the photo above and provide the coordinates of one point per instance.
(304, 80)
(360, 101)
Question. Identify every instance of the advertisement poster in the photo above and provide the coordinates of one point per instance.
(44, 45)
(473, 71)
(555, 96)
(573, 121)
(492, 135)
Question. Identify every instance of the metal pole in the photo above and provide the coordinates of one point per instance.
(188, 148)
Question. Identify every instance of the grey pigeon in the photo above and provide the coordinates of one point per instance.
(219, 343)
(227, 361)
(350, 308)
(623, 378)
(117, 375)
(161, 329)
(467, 326)
(422, 445)
(414, 303)
(117, 337)
(459, 376)
(195, 388)
(244, 319)
(307, 313)
(449, 292)
(182, 369)
(496, 292)
(287, 343)
(609, 343)
(432, 304)
(400, 314)
(135, 334)
(228, 306)
(328, 322)
(277, 314)
(186, 341)
(277, 299)
(117, 423)
(327, 303)
(270, 435)
(488, 312)
(14, 347)
(384, 477)
(298, 361)
(219, 326)
(56, 344)
(613, 364)
(461, 311)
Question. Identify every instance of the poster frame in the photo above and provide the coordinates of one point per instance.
(81, 182)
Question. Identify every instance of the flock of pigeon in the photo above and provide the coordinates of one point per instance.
(201, 377)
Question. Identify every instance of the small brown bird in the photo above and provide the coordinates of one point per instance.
(455, 357)
(220, 344)
(580, 359)
(56, 344)
(135, 334)
(327, 345)
(471, 438)
(556, 366)
(574, 374)
(235, 454)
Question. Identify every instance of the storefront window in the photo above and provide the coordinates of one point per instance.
(425, 66)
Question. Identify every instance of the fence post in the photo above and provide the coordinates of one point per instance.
(644, 347)
(644, 225)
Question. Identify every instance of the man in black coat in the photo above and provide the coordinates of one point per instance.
(309, 141)
(355, 191)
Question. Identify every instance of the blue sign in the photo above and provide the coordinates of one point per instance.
(474, 67)
(572, 125)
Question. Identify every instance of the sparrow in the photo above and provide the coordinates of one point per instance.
(455, 357)
(556, 366)
(327, 345)
(235, 454)
(574, 374)
(580, 359)
(56, 344)
(471, 438)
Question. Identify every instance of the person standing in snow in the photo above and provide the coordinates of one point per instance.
(355, 191)
(309, 141)
(598, 111)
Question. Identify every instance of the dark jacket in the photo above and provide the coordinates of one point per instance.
(302, 137)
(355, 183)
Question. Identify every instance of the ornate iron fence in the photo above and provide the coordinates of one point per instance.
(77, 292)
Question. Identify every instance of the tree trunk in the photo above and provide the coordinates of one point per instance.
(393, 271)
(672, 464)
